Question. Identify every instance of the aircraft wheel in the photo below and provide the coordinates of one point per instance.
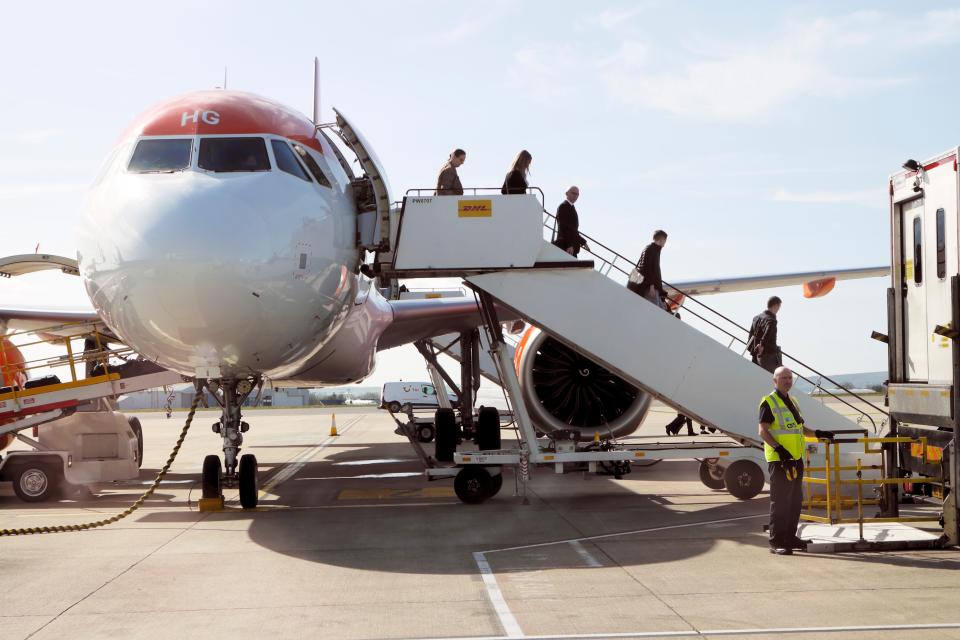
(394, 407)
(744, 479)
(211, 477)
(249, 487)
(446, 432)
(138, 432)
(711, 475)
(488, 429)
(473, 485)
(35, 482)
(425, 433)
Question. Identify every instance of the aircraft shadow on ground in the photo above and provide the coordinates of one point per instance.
(351, 510)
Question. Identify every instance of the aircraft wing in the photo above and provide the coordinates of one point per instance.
(417, 319)
(816, 283)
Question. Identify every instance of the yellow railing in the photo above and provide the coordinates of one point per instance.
(60, 334)
(834, 503)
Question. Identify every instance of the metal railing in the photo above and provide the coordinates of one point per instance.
(609, 262)
(59, 334)
(474, 191)
(833, 501)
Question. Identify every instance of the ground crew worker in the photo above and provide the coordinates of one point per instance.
(782, 431)
(762, 342)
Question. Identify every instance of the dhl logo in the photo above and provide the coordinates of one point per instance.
(475, 208)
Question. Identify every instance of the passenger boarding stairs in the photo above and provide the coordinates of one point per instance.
(496, 244)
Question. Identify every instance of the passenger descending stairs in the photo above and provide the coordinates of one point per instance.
(649, 348)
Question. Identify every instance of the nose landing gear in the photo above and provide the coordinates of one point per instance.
(237, 471)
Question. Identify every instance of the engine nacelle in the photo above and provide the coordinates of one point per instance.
(12, 372)
(563, 389)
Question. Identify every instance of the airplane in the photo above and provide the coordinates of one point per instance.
(220, 240)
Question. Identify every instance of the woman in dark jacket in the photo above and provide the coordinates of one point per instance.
(516, 180)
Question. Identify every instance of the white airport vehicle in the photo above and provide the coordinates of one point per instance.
(923, 310)
(570, 362)
(406, 396)
(275, 236)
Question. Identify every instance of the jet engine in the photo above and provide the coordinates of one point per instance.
(564, 390)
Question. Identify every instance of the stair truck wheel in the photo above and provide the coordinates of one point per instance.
(711, 475)
(488, 429)
(138, 432)
(406, 407)
(445, 422)
(744, 479)
(425, 433)
(473, 485)
(36, 481)
(211, 476)
(496, 485)
(248, 481)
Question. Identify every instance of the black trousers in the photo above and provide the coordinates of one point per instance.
(786, 500)
(677, 423)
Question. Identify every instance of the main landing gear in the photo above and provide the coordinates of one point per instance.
(235, 472)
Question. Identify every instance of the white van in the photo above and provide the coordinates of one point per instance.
(403, 396)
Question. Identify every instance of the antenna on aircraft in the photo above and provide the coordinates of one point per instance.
(316, 90)
(224, 87)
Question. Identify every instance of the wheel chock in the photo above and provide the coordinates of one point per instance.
(333, 425)
(210, 504)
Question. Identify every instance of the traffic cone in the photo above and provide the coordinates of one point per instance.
(333, 425)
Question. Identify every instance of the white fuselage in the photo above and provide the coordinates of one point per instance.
(227, 274)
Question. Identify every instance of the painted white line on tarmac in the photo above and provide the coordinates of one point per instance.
(701, 633)
(398, 474)
(583, 553)
(626, 533)
(507, 622)
(291, 468)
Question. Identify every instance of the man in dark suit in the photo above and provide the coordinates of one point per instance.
(568, 225)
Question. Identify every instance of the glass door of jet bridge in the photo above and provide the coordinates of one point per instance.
(914, 274)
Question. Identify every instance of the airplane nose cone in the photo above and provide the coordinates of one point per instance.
(199, 272)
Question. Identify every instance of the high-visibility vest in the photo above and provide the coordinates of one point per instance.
(785, 429)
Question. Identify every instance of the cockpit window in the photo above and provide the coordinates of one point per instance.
(312, 165)
(286, 161)
(233, 154)
(161, 156)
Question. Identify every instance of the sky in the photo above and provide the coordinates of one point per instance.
(759, 136)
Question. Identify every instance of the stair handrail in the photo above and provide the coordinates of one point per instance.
(611, 264)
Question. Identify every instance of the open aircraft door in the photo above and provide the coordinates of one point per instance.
(372, 192)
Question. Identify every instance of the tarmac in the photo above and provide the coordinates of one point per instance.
(351, 541)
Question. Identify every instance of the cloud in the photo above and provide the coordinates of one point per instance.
(610, 19)
(735, 81)
(24, 190)
(545, 71)
(30, 136)
(474, 24)
(865, 197)
(738, 79)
